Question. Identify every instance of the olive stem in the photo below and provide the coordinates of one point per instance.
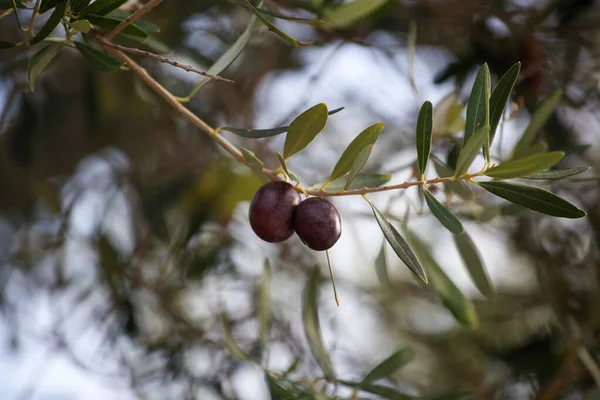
(332, 279)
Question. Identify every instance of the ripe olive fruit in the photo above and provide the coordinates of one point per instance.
(317, 223)
(272, 210)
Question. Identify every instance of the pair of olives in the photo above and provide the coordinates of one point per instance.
(276, 212)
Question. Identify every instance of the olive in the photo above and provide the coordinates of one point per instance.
(272, 210)
(317, 223)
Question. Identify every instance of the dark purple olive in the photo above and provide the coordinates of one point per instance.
(317, 223)
(272, 210)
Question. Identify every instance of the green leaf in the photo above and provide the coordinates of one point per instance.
(538, 120)
(536, 199)
(362, 180)
(274, 28)
(358, 165)
(312, 330)
(99, 59)
(267, 13)
(365, 138)
(253, 161)
(288, 171)
(525, 166)
(471, 150)
(6, 45)
(276, 390)
(447, 118)
(390, 365)
(349, 13)
(78, 5)
(381, 268)
(39, 62)
(102, 7)
(82, 25)
(304, 129)
(558, 173)
(472, 259)
(227, 58)
(398, 244)
(478, 107)
(449, 220)
(500, 97)
(453, 299)
(424, 132)
(47, 5)
(264, 133)
(388, 393)
(147, 26)
(264, 306)
(230, 343)
(51, 23)
(110, 23)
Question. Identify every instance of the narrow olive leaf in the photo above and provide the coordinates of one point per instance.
(47, 5)
(309, 21)
(471, 150)
(304, 129)
(453, 299)
(557, 173)
(478, 107)
(253, 161)
(312, 329)
(472, 259)
(381, 268)
(39, 62)
(264, 305)
(230, 343)
(8, 4)
(399, 245)
(102, 7)
(365, 138)
(110, 23)
(525, 166)
(386, 392)
(274, 28)
(500, 97)
(452, 396)
(78, 5)
(449, 220)
(264, 133)
(424, 131)
(538, 120)
(362, 181)
(390, 365)
(358, 165)
(227, 58)
(350, 13)
(288, 171)
(148, 26)
(81, 25)
(99, 60)
(536, 199)
(276, 390)
(51, 23)
(6, 45)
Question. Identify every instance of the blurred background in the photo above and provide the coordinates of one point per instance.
(124, 232)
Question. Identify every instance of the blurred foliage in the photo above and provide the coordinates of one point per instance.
(126, 218)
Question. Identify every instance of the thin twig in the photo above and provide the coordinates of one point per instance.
(132, 18)
(162, 59)
(36, 10)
